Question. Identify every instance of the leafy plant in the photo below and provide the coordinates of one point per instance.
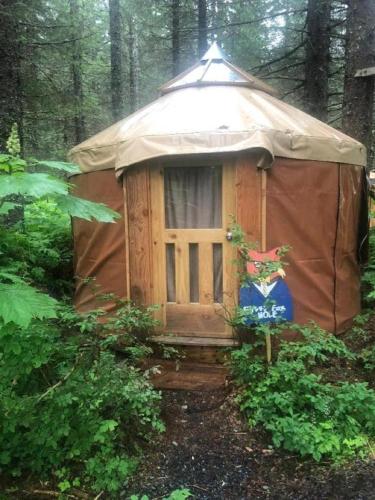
(368, 278)
(68, 407)
(317, 347)
(20, 302)
(69, 410)
(367, 356)
(301, 411)
(265, 269)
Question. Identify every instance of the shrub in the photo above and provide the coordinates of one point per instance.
(49, 247)
(68, 408)
(301, 411)
(367, 356)
(368, 278)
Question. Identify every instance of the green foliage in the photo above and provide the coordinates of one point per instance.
(358, 331)
(367, 356)
(20, 303)
(29, 252)
(180, 494)
(43, 185)
(318, 346)
(368, 278)
(33, 185)
(265, 269)
(46, 246)
(68, 408)
(303, 413)
(61, 166)
(84, 209)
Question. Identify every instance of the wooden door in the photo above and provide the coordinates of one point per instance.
(194, 276)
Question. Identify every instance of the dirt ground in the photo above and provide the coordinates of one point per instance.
(208, 449)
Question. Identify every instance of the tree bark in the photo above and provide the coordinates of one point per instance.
(10, 63)
(116, 59)
(202, 27)
(133, 66)
(76, 69)
(317, 58)
(175, 37)
(358, 99)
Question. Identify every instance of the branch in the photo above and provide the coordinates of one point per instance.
(61, 42)
(260, 19)
(64, 379)
(239, 23)
(283, 68)
(44, 26)
(281, 77)
(287, 54)
(333, 120)
(293, 90)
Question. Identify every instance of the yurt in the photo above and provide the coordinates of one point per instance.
(218, 144)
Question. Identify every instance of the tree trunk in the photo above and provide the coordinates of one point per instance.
(175, 37)
(133, 66)
(116, 59)
(317, 58)
(10, 81)
(76, 68)
(202, 27)
(360, 53)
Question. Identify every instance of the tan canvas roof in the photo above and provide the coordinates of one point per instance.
(215, 108)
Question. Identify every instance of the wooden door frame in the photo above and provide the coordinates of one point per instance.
(230, 281)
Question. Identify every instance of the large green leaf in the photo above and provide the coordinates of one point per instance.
(71, 168)
(20, 303)
(7, 274)
(35, 185)
(84, 209)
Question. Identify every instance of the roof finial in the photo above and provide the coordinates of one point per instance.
(213, 53)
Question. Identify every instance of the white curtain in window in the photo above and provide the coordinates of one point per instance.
(192, 197)
(193, 200)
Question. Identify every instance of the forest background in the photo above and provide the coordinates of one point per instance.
(70, 68)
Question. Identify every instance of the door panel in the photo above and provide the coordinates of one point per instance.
(193, 263)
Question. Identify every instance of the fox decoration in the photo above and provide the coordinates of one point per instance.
(267, 299)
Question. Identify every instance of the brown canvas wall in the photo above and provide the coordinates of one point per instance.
(346, 259)
(248, 199)
(313, 207)
(99, 249)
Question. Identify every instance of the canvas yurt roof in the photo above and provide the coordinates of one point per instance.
(215, 107)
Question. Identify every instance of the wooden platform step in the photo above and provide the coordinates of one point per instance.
(188, 376)
(195, 341)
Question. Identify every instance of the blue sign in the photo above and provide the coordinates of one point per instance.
(266, 302)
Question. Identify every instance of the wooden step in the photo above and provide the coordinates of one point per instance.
(195, 341)
(187, 376)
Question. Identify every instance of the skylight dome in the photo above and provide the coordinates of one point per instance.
(214, 69)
